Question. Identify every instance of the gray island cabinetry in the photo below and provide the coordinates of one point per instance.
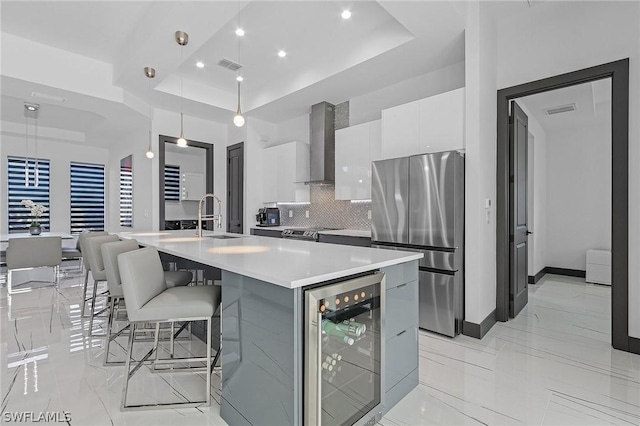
(265, 285)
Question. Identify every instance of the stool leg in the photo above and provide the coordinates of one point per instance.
(84, 292)
(112, 305)
(171, 340)
(9, 276)
(127, 364)
(93, 307)
(209, 361)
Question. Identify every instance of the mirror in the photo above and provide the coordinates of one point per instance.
(186, 174)
(126, 191)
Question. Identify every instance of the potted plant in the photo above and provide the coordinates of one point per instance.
(37, 210)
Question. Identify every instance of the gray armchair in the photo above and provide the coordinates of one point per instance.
(31, 253)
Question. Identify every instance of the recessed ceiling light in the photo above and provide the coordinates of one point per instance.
(200, 64)
(346, 14)
(239, 32)
(239, 78)
(282, 53)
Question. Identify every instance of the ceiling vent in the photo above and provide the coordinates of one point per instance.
(560, 109)
(229, 64)
(48, 98)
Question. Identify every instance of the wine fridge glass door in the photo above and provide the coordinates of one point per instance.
(344, 351)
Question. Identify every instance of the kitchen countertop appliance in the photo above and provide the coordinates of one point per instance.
(418, 205)
(268, 216)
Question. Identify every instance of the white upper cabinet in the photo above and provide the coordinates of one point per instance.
(193, 186)
(400, 130)
(431, 124)
(356, 147)
(285, 169)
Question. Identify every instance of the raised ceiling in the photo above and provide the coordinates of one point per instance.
(328, 58)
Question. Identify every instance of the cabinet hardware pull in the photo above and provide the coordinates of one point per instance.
(402, 285)
(401, 333)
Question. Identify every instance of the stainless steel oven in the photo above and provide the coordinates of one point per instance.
(344, 352)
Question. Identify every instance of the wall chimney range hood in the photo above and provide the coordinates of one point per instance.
(323, 144)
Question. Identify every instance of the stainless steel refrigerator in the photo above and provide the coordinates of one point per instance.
(418, 205)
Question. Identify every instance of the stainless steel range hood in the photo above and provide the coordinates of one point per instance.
(323, 144)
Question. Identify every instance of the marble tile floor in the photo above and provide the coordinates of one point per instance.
(553, 365)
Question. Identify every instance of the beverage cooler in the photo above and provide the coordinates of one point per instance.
(344, 352)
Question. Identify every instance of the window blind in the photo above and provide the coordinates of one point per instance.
(21, 178)
(126, 196)
(87, 197)
(171, 183)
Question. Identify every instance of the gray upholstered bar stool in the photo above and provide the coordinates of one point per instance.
(110, 252)
(31, 253)
(85, 263)
(149, 300)
(92, 252)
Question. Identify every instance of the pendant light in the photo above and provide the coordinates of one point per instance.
(31, 110)
(182, 39)
(238, 120)
(149, 73)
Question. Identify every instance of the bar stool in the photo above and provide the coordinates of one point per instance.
(92, 252)
(110, 252)
(149, 300)
(85, 263)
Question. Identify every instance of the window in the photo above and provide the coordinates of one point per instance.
(171, 183)
(87, 197)
(126, 191)
(22, 178)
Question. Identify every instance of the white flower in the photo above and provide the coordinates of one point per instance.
(37, 210)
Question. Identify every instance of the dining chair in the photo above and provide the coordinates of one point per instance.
(30, 253)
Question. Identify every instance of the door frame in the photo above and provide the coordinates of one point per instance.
(163, 139)
(229, 149)
(618, 71)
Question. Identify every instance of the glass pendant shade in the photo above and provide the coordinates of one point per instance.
(238, 120)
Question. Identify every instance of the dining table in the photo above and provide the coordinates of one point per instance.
(4, 238)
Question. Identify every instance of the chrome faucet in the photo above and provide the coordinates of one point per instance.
(216, 218)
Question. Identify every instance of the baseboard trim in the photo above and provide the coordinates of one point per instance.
(538, 276)
(634, 345)
(567, 272)
(478, 331)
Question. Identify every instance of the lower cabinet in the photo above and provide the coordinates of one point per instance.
(401, 327)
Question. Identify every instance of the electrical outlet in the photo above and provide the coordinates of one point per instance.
(306, 214)
(146, 213)
(369, 214)
(290, 213)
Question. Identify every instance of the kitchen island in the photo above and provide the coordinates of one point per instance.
(264, 282)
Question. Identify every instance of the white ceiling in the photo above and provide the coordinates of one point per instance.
(328, 58)
(592, 101)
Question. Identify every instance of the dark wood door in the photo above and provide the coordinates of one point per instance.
(235, 188)
(518, 256)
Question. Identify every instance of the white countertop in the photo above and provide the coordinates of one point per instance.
(285, 262)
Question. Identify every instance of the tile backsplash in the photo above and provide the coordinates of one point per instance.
(325, 211)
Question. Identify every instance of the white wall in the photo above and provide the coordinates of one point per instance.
(552, 38)
(578, 194)
(60, 155)
(480, 164)
(195, 162)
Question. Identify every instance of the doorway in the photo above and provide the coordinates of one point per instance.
(618, 71)
(165, 191)
(235, 188)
